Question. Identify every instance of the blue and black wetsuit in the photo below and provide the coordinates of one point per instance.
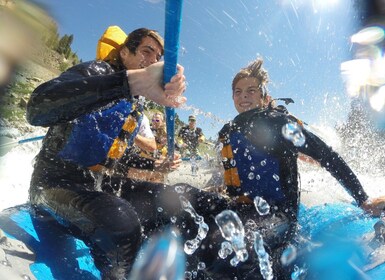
(91, 122)
(260, 161)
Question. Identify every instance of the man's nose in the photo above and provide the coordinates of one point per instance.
(153, 59)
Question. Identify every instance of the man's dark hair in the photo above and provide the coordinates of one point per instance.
(135, 38)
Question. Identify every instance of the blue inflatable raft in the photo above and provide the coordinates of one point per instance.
(343, 241)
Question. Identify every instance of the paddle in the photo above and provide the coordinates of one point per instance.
(6, 147)
(171, 47)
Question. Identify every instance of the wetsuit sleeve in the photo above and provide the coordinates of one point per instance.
(80, 90)
(334, 164)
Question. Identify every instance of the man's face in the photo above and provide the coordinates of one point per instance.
(192, 123)
(247, 95)
(148, 52)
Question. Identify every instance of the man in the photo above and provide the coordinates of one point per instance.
(190, 136)
(91, 119)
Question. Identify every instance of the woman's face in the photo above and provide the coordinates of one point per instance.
(247, 95)
(157, 120)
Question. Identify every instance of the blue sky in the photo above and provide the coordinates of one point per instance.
(302, 42)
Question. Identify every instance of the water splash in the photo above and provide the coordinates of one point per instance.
(298, 273)
(263, 257)
(207, 115)
(233, 231)
(192, 245)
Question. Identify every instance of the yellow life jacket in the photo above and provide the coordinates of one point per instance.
(110, 43)
(121, 142)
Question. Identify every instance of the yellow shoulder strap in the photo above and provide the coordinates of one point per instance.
(110, 42)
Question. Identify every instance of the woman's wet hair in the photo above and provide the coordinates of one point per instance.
(135, 38)
(253, 70)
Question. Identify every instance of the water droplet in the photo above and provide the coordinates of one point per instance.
(160, 209)
(190, 246)
(293, 132)
(276, 177)
(298, 273)
(289, 255)
(263, 257)
(232, 230)
(262, 207)
(263, 162)
(180, 189)
(225, 250)
(201, 266)
(251, 176)
(188, 275)
(252, 168)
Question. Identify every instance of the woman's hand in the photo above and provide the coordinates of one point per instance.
(374, 206)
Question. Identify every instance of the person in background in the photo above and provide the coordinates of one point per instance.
(159, 130)
(93, 122)
(145, 139)
(148, 155)
(190, 136)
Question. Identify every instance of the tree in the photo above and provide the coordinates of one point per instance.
(64, 45)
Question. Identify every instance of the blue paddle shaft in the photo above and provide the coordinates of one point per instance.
(37, 138)
(171, 47)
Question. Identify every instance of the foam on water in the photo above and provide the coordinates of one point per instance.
(15, 173)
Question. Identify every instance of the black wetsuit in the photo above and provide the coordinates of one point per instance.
(190, 138)
(260, 161)
(70, 191)
(263, 138)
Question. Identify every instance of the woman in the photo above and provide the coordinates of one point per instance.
(260, 156)
(159, 129)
